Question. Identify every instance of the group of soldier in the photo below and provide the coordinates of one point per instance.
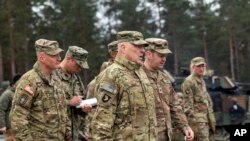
(135, 98)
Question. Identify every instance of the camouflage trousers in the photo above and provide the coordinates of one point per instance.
(162, 136)
(9, 135)
(177, 135)
(201, 132)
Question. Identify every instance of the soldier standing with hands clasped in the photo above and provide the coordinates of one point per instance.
(167, 107)
(39, 109)
(198, 105)
(126, 109)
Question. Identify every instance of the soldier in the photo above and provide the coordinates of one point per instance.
(39, 109)
(112, 49)
(5, 106)
(167, 108)
(126, 109)
(74, 61)
(198, 106)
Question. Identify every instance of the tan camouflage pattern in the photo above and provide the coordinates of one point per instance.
(48, 46)
(177, 133)
(126, 109)
(159, 45)
(39, 110)
(113, 46)
(134, 37)
(106, 64)
(80, 55)
(198, 61)
(73, 86)
(167, 106)
(197, 105)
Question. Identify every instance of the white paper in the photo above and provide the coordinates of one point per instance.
(92, 101)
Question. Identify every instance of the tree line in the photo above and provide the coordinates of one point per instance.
(218, 30)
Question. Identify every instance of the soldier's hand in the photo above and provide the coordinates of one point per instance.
(189, 134)
(3, 129)
(87, 108)
(75, 101)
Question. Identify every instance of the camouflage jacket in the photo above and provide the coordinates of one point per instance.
(5, 106)
(106, 64)
(73, 86)
(126, 109)
(167, 106)
(197, 102)
(39, 111)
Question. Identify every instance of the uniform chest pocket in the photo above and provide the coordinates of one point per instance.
(49, 100)
(167, 90)
(136, 94)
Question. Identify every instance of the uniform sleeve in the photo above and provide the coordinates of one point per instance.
(103, 118)
(177, 113)
(211, 116)
(20, 111)
(68, 135)
(188, 100)
(91, 89)
(4, 106)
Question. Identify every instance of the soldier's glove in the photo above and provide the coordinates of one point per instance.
(212, 126)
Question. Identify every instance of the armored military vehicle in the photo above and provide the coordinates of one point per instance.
(230, 101)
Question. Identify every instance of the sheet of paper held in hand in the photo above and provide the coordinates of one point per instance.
(92, 101)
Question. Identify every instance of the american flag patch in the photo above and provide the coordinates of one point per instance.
(29, 90)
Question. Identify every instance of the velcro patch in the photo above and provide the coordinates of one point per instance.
(109, 88)
(23, 99)
(29, 90)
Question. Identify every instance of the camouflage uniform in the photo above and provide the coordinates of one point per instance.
(177, 133)
(167, 107)
(73, 86)
(91, 86)
(126, 109)
(39, 111)
(198, 105)
(5, 106)
(112, 47)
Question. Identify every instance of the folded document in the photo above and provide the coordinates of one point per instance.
(92, 101)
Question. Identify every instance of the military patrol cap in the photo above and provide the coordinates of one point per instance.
(198, 61)
(80, 55)
(113, 46)
(48, 46)
(158, 45)
(134, 37)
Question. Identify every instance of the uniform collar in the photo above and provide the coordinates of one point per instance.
(151, 74)
(128, 64)
(197, 79)
(48, 80)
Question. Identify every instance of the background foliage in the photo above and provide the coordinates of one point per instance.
(218, 30)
